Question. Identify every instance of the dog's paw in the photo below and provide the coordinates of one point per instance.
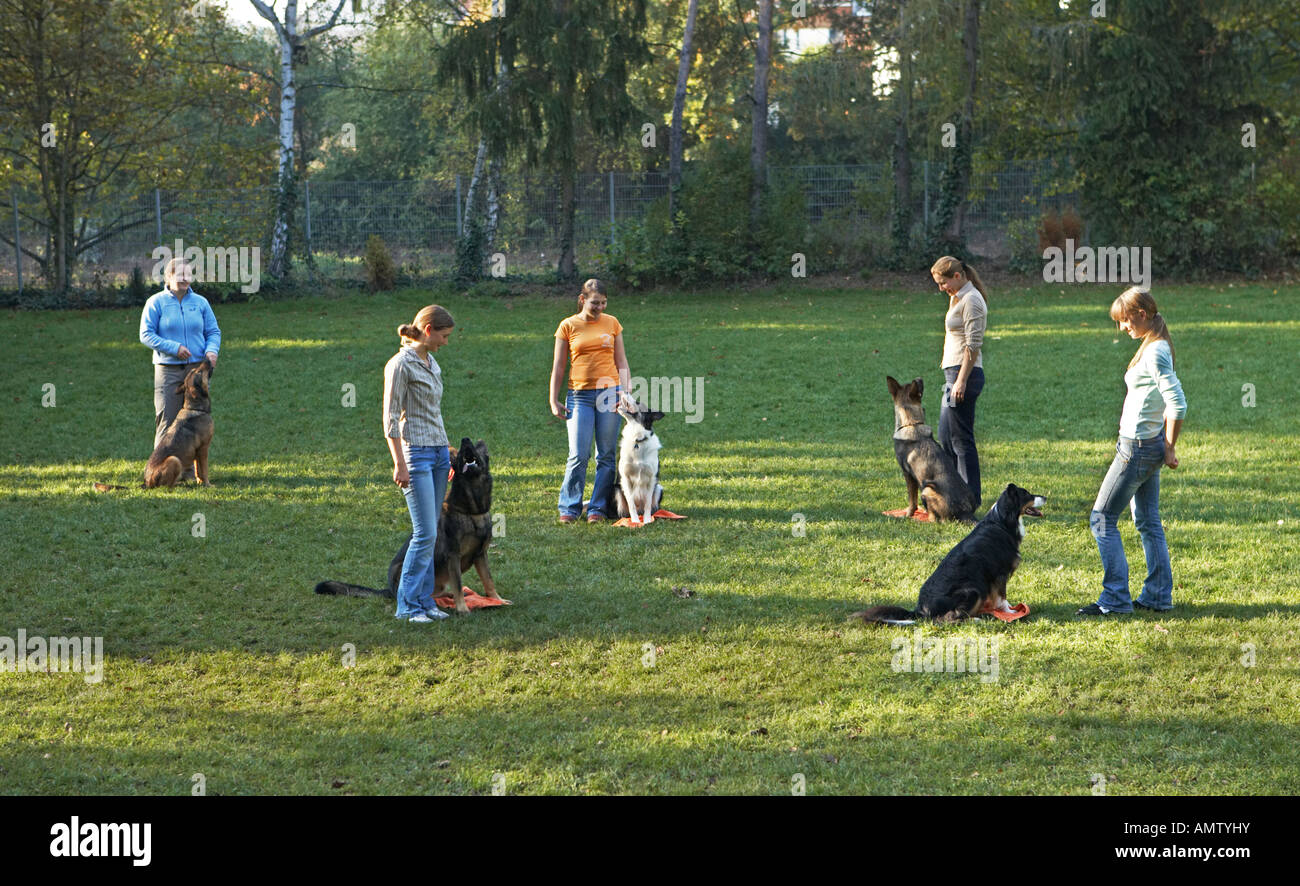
(462, 609)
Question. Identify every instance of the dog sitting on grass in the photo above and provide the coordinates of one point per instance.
(187, 438)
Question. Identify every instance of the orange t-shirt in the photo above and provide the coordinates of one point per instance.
(591, 351)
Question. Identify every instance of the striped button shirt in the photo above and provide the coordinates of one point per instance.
(413, 399)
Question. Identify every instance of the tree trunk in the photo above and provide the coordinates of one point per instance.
(493, 206)
(567, 268)
(902, 157)
(286, 186)
(679, 104)
(280, 255)
(758, 144)
(966, 137)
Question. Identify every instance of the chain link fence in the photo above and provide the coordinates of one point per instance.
(420, 221)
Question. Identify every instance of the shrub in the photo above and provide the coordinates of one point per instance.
(381, 273)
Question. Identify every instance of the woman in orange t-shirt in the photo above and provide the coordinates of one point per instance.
(591, 342)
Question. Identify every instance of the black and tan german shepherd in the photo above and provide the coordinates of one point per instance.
(930, 472)
(973, 577)
(187, 438)
(464, 533)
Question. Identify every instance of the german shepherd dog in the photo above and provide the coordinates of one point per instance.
(187, 438)
(638, 492)
(973, 577)
(464, 533)
(930, 472)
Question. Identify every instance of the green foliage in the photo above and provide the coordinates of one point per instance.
(712, 237)
(137, 288)
(1022, 245)
(381, 272)
(1160, 155)
(470, 248)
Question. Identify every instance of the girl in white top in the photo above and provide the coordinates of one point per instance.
(1148, 429)
(962, 363)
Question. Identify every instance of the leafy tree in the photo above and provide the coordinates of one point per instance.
(566, 65)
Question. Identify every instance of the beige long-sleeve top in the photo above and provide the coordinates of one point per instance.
(964, 326)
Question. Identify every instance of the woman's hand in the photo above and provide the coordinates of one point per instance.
(558, 410)
(959, 390)
(184, 353)
(401, 475)
(1171, 459)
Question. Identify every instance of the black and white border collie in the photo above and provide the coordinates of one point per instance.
(638, 492)
(973, 577)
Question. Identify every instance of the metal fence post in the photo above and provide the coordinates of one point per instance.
(611, 207)
(460, 232)
(306, 195)
(18, 249)
(157, 214)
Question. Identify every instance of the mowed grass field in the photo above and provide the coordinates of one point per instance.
(221, 661)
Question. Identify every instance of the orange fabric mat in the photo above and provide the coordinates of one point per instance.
(920, 515)
(660, 514)
(472, 600)
(1020, 610)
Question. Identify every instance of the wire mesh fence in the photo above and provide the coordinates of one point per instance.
(420, 221)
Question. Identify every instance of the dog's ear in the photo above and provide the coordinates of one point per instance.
(656, 415)
(893, 385)
(917, 388)
(481, 449)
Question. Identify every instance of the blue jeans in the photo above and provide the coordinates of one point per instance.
(428, 469)
(1134, 477)
(591, 414)
(957, 425)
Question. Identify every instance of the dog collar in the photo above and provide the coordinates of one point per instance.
(915, 431)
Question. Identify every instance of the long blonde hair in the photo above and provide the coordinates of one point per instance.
(1128, 304)
(949, 266)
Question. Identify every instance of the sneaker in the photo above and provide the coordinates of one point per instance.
(568, 518)
(436, 614)
(1092, 609)
(1140, 605)
(421, 619)
(595, 518)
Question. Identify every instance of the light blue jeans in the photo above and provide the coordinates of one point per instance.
(1133, 480)
(424, 494)
(592, 414)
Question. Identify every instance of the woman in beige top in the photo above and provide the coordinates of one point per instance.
(963, 363)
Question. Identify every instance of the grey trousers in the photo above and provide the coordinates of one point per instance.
(167, 401)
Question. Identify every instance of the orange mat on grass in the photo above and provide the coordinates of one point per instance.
(472, 600)
(1020, 610)
(660, 514)
(920, 515)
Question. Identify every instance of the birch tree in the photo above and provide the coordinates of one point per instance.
(679, 104)
(293, 50)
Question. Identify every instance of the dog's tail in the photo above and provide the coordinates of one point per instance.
(343, 589)
(887, 615)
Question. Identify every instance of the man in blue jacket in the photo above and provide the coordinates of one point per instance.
(178, 325)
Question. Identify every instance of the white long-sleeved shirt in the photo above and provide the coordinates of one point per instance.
(1154, 394)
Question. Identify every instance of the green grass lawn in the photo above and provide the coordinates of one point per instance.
(221, 661)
